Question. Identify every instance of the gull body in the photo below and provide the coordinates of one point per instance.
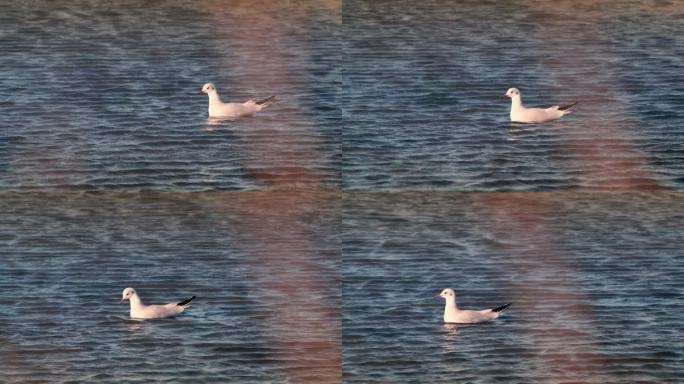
(218, 108)
(142, 311)
(452, 314)
(522, 114)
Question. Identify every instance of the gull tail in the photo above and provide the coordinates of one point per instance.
(501, 308)
(567, 107)
(265, 100)
(185, 302)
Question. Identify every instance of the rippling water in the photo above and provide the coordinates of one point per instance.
(65, 258)
(108, 168)
(103, 96)
(595, 282)
(422, 82)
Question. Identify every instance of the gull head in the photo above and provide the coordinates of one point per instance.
(446, 293)
(512, 92)
(208, 88)
(127, 293)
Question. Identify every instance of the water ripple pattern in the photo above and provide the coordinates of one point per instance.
(422, 82)
(596, 287)
(99, 96)
(66, 257)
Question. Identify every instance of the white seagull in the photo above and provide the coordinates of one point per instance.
(454, 315)
(520, 114)
(218, 108)
(142, 311)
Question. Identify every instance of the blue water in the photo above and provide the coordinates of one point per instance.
(66, 257)
(99, 96)
(315, 234)
(422, 82)
(595, 282)
(400, 96)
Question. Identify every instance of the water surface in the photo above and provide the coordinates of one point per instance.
(595, 282)
(422, 82)
(104, 96)
(266, 281)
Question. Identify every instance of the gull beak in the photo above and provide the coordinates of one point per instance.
(122, 301)
(504, 96)
(437, 294)
(200, 92)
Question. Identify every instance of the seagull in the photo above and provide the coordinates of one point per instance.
(142, 311)
(520, 114)
(218, 108)
(454, 315)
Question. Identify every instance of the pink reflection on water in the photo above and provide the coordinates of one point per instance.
(305, 323)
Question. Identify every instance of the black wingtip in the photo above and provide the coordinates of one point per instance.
(185, 302)
(501, 308)
(566, 107)
(265, 100)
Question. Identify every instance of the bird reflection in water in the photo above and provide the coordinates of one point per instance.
(449, 335)
(215, 123)
(135, 326)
